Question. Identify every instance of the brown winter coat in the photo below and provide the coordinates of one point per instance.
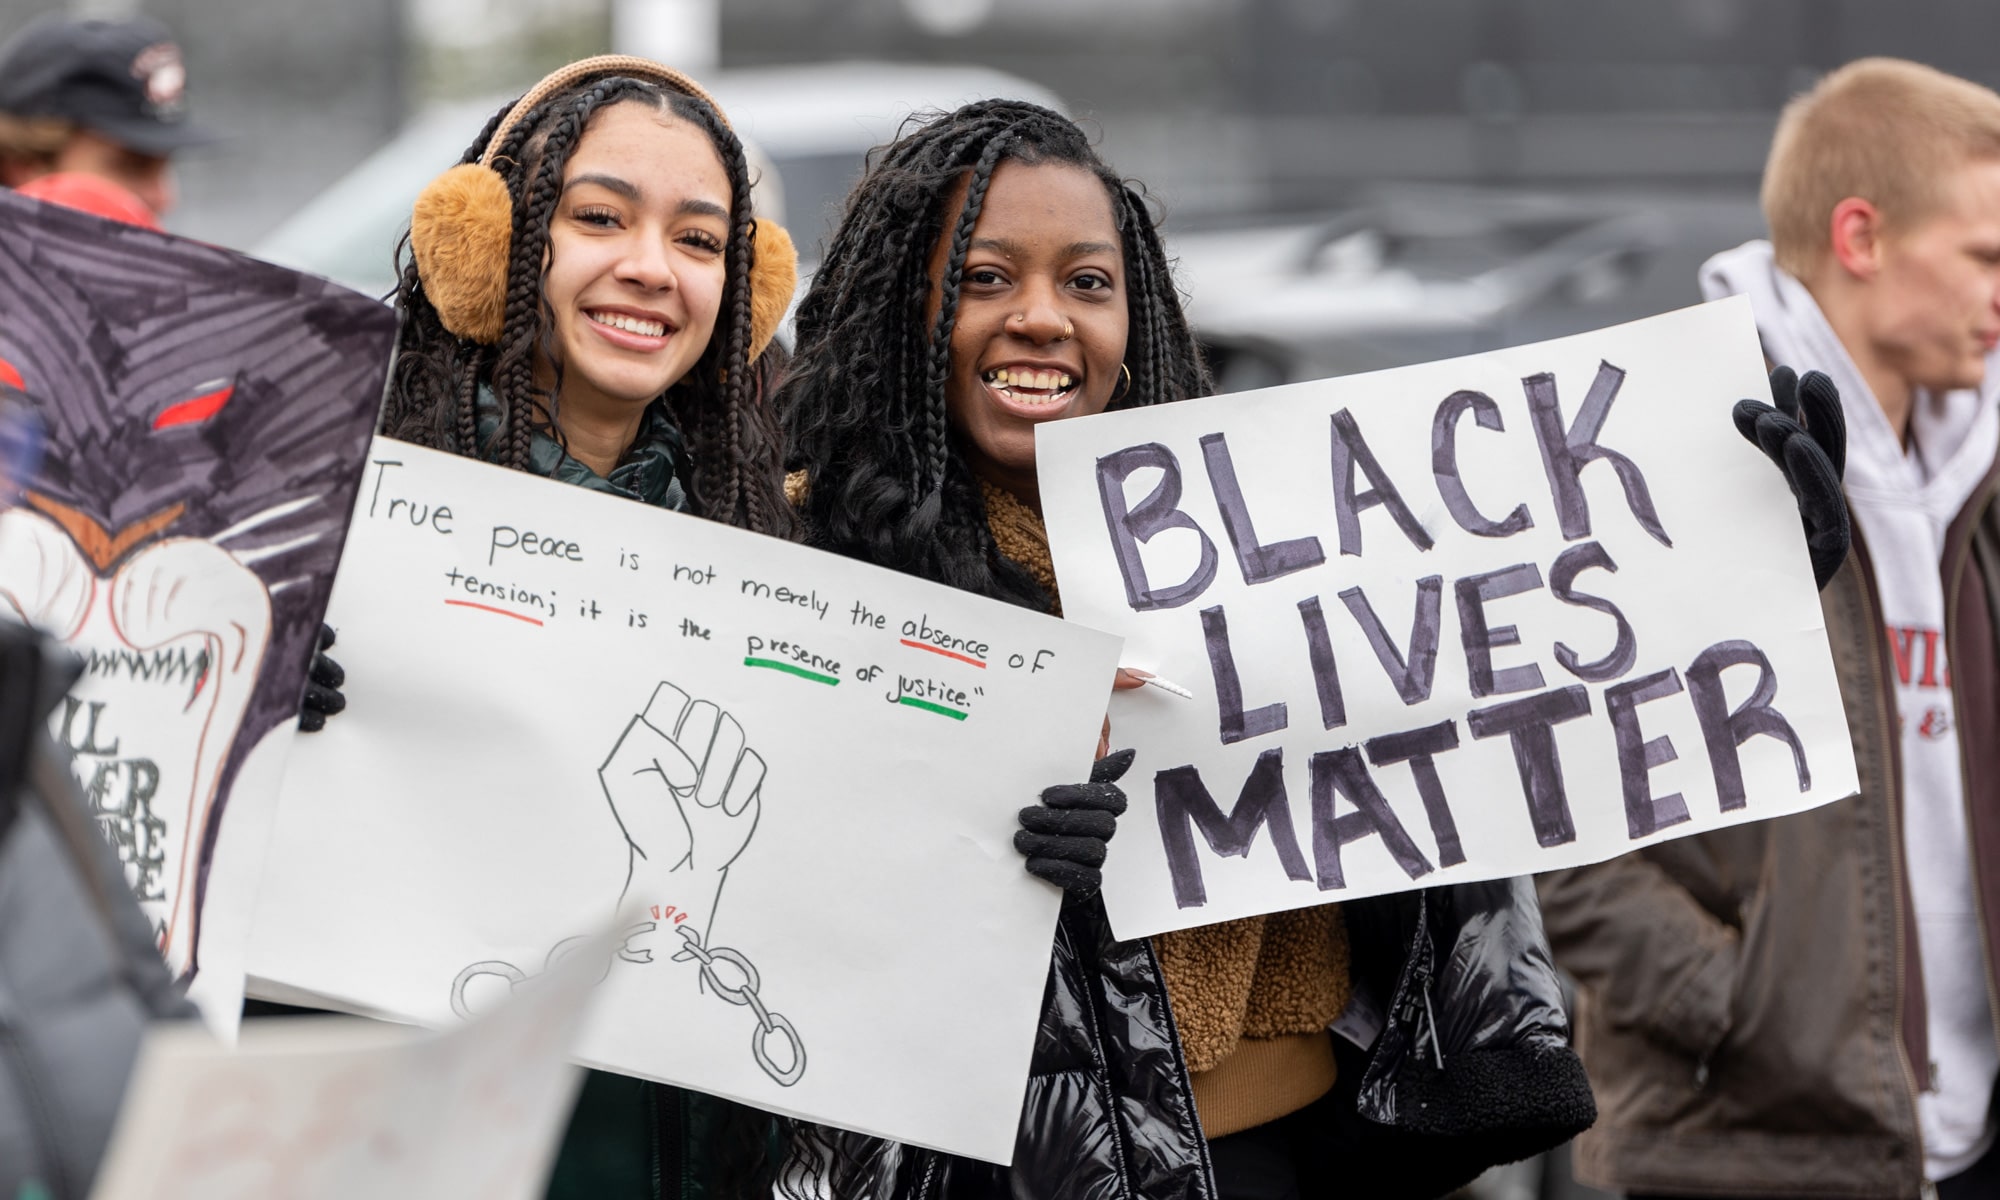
(1751, 1009)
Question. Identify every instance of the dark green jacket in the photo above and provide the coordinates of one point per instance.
(629, 1139)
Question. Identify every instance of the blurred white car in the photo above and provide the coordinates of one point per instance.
(806, 128)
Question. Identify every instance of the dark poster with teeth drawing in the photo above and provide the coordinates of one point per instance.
(206, 417)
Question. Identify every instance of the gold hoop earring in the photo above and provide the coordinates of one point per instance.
(1126, 371)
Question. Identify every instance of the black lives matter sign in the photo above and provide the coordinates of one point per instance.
(1469, 619)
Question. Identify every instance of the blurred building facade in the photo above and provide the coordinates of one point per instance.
(1224, 107)
(1227, 106)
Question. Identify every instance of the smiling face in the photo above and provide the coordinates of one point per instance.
(634, 277)
(1042, 315)
(1936, 310)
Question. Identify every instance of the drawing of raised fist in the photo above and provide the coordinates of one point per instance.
(685, 789)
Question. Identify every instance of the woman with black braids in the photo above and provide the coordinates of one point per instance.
(992, 273)
(590, 300)
(579, 300)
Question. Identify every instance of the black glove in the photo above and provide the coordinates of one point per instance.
(1064, 835)
(323, 698)
(1807, 437)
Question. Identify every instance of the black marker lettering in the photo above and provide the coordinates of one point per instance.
(1236, 725)
(1724, 732)
(1564, 454)
(1326, 674)
(1342, 772)
(1131, 528)
(1259, 562)
(1474, 591)
(1562, 578)
(1419, 748)
(1412, 677)
(1645, 813)
(1444, 466)
(1351, 453)
(1184, 804)
(1530, 724)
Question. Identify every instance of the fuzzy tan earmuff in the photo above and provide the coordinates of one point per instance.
(463, 225)
(459, 233)
(774, 276)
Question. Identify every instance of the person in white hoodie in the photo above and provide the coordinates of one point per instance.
(1807, 1007)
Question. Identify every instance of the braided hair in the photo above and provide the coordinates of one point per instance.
(864, 400)
(735, 474)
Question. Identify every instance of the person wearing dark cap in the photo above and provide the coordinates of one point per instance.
(99, 98)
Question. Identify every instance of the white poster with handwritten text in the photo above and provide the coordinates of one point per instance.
(803, 772)
(1464, 620)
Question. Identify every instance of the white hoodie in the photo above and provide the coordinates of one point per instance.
(1903, 502)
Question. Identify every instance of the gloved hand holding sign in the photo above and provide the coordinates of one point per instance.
(685, 789)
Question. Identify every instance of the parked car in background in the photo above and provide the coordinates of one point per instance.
(807, 130)
(1415, 274)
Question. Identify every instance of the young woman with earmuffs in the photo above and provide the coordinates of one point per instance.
(590, 300)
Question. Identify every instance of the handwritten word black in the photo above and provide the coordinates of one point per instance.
(861, 614)
(1360, 484)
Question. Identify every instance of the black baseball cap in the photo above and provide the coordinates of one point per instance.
(123, 80)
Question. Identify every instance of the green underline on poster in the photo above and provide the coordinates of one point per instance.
(927, 706)
(789, 669)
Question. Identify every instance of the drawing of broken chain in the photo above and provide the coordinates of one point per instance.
(685, 789)
(745, 993)
(768, 1022)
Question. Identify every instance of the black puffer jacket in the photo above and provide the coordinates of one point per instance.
(1471, 1066)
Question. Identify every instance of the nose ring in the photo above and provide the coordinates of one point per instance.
(1069, 329)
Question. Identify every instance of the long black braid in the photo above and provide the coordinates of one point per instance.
(735, 473)
(864, 400)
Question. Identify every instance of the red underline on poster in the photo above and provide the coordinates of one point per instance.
(489, 608)
(964, 658)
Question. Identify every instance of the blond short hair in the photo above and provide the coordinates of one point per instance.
(1882, 129)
